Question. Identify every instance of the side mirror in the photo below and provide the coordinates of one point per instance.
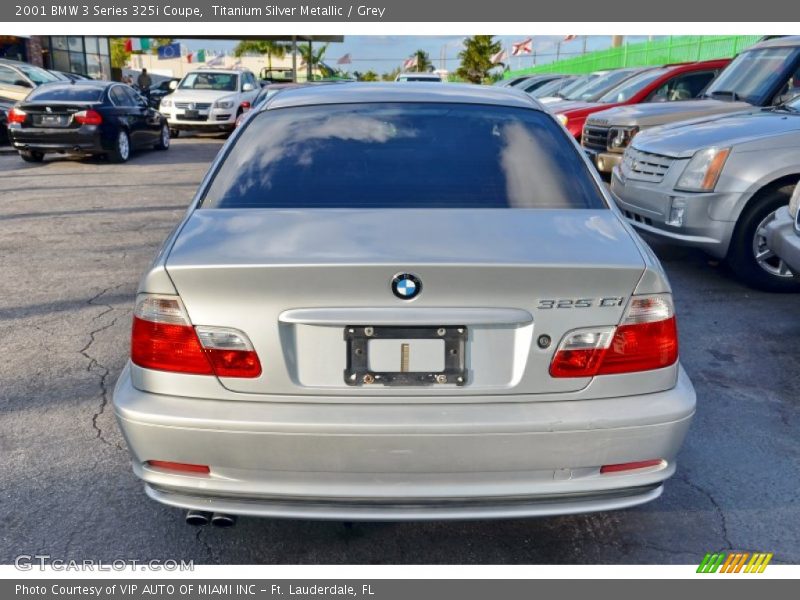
(248, 87)
(173, 85)
(22, 83)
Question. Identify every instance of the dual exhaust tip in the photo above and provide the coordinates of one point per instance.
(199, 518)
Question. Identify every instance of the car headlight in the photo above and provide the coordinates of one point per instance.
(703, 170)
(620, 138)
(794, 203)
(223, 104)
(165, 103)
(561, 118)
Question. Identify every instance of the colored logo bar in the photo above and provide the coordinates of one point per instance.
(735, 562)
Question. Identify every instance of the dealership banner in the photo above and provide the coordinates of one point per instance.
(381, 589)
(293, 11)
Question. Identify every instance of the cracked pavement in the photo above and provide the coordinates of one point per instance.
(75, 237)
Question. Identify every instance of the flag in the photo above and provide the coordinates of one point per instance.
(145, 43)
(410, 63)
(128, 45)
(215, 61)
(523, 47)
(189, 57)
(501, 56)
(201, 56)
(136, 45)
(169, 51)
(569, 38)
(345, 60)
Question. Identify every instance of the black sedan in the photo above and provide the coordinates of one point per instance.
(85, 117)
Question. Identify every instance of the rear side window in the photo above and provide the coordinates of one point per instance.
(409, 155)
(66, 93)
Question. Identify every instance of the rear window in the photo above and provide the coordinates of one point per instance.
(409, 155)
(66, 93)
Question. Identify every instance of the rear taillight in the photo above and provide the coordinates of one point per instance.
(88, 117)
(16, 115)
(164, 339)
(646, 339)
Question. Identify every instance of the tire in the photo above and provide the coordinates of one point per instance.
(163, 140)
(749, 257)
(174, 133)
(31, 156)
(122, 149)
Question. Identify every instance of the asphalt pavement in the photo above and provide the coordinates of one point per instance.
(75, 235)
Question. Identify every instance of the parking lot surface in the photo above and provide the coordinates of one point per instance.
(75, 237)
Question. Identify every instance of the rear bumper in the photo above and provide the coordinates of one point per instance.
(783, 240)
(87, 139)
(404, 461)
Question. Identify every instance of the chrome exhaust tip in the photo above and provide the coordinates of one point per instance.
(197, 518)
(223, 520)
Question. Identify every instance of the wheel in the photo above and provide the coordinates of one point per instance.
(163, 140)
(122, 149)
(749, 257)
(174, 133)
(31, 156)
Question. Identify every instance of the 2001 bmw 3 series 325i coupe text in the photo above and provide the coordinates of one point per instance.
(400, 302)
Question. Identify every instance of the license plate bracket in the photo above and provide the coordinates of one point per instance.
(359, 374)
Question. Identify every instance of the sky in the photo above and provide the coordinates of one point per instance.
(382, 53)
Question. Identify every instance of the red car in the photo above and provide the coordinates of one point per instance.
(682, 81)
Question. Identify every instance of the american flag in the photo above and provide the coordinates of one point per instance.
(410, 63)
(523, 47)
(569, 38)
(345, 60)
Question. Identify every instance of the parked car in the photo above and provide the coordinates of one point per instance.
(310, 345)
(17, 79)
(594, 89)
(5, 106)
(426, 77)
(783, 234)
(715, 184)
(554, 87)
(209, 100)
(534, 82)
(766, 74)
(579, 83)
(511, 81)
(69, 75)
(85, 117)
(663, 84)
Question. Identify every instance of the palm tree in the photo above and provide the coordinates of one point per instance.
(268, 47)
(476, 57)
(424, 63)
(313, 57)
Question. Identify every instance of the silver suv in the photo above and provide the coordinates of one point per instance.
(765, 74)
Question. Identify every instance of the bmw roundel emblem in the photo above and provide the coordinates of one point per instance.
(406, 286)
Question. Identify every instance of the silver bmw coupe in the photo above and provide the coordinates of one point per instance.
(392, 302)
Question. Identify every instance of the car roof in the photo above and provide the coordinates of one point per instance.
(98, 83)
(418, 74)
(227, 71)
(363, 93)
(777, 42)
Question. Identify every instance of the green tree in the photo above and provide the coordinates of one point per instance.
(476, 57)
(424, 63)
(268, 47)
(119, 56)
(391, 75)
(369, 76)
(313, 56)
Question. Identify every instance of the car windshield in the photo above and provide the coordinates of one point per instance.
(752, 74)
(599, 86)
(37, 75)
(222, 82)
(66, 93)
(629, 88)
(403, 155)
(552, 87)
